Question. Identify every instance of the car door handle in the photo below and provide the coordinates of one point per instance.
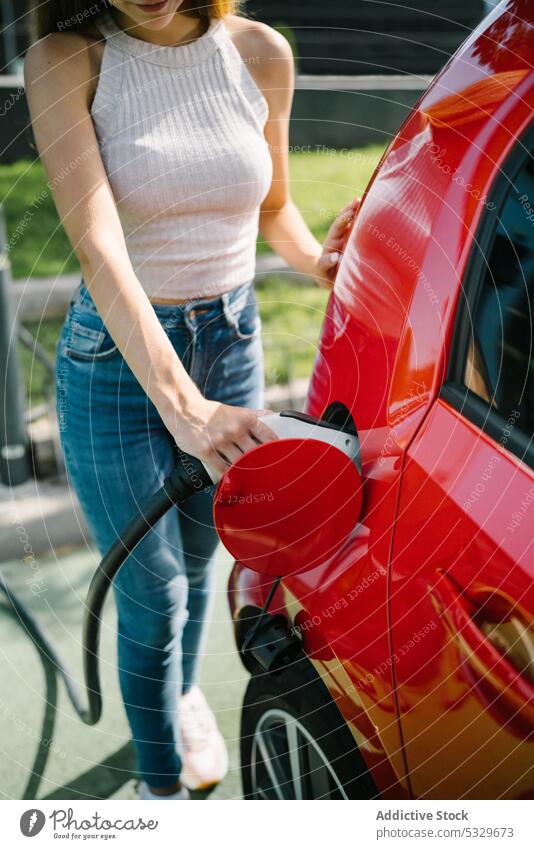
(505, 689)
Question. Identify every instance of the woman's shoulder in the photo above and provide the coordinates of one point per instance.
(264, 50)
(65, 45)
(257, 39)
(71, 55)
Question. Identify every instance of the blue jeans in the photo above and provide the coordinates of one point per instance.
(117, 454)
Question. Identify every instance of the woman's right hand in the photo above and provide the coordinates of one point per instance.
(218, 433)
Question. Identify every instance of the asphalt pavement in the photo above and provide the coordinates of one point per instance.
(46, 752)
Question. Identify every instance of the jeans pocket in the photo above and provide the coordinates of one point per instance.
(85, 337)
(242, 313)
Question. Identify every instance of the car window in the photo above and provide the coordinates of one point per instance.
(499, 367)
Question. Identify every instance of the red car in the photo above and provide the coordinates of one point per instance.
(404, 666)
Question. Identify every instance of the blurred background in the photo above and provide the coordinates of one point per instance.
(361, 64)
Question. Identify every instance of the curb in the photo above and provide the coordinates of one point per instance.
(37, 518)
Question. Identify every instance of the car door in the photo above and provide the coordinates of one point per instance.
(462, 572)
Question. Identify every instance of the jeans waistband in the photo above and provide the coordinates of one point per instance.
(218, 302)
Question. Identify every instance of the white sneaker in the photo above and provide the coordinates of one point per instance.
(204, 754)
(145, 793)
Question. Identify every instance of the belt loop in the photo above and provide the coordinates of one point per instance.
(230, 317)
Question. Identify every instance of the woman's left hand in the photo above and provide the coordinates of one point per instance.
(328, 262)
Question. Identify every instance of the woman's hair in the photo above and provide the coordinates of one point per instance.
(73, 15)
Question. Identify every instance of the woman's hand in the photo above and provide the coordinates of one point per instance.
(218, 433)
(328, 262)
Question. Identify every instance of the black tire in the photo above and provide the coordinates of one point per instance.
(291, 715)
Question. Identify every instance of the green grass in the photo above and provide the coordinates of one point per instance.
(322, 183)
(292, 316)
(37, 243)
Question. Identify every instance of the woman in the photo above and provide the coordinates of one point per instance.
(163, 130)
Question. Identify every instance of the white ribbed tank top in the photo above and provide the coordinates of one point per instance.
(180, 131)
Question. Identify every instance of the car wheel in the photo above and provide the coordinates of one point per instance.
(294, 742)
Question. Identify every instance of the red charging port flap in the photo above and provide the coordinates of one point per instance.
(287, 505)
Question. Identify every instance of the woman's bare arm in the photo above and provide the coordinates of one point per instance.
(269, 58)
(59, 77)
